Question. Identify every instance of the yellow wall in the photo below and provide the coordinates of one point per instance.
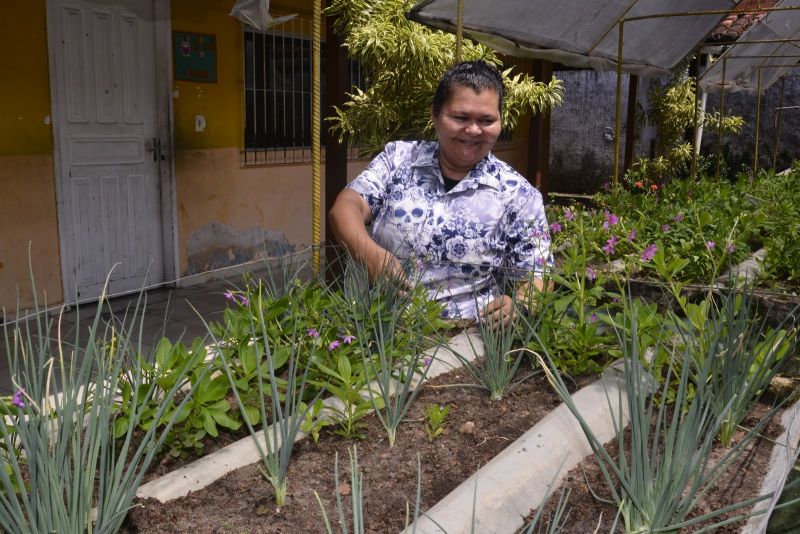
(27, 183)
(25, 90)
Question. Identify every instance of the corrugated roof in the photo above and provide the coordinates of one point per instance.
(582, 33)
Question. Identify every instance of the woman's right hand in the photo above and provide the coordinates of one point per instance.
(348, 219)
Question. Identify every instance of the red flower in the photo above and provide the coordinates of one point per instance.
(638, 184)
(654, 187)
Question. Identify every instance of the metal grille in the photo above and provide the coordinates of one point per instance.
(277, 93)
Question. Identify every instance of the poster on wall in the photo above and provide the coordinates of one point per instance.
(194, 56)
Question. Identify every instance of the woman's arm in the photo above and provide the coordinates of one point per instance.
(348, 219)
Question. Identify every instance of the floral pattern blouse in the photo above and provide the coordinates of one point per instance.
(465, 245)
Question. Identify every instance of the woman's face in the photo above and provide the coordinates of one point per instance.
(467, 126)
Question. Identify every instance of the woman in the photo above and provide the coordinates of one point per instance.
(464, 222)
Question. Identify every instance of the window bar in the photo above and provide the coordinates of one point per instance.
(283, 91)
(292, 70)
(302, 89)
(264, 96)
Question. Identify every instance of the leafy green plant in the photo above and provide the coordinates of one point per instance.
(82, 478)
(435, 419)
(347, 383)
(404, 61)
(669, 468)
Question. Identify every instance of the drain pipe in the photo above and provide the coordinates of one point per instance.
(698, 130)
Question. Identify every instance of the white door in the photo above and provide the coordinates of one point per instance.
(107, 148)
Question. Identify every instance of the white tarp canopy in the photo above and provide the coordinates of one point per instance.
(741, 68)
(582, 33)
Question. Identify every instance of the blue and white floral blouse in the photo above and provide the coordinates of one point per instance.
(465, 244)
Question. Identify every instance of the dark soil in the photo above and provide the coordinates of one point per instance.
(741, 481)
(242, 501)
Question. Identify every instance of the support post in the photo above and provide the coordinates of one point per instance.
(618, 108)
(721, 116)
(630, 121)
(337, 83)
(316, 238)
(538, 171)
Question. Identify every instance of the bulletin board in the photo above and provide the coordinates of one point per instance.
(194, 56)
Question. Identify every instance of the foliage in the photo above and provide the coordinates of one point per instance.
(672, 111)
(435, 418)
(405, 61)
(82, 478)
(669, 469)
(743, 354)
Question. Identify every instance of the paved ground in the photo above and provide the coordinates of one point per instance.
(172, 312)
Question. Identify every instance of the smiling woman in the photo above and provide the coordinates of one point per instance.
(469, 243)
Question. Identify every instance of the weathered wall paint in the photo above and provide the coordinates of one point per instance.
(217, 189)
(25, 91)
(28, 215)
(27, 183)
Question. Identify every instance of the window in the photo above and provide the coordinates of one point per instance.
(277, 93)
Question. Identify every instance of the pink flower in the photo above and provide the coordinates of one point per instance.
(312, 332)
(244, 301)
(569, 214)
(427, 361)
(665, 227)
(730, 247)
(610, 220)
(610, 244)
(347, 339)
(334, 345)
(593, 318)
(229, 296)
(710, 245)
(632, 235)
(649, 252)
(16, 399)
(590, 274)
(555, 227)
(679, 217)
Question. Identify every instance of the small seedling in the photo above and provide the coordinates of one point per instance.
(436, 416)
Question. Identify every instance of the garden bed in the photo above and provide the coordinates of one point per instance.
(476, 431)
(744, 479)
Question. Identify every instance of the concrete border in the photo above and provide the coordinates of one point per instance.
(211, 467)
(521, 476)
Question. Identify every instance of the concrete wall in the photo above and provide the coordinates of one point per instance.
(739, 150)
(582, 130)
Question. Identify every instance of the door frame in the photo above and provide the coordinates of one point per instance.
(162, 13)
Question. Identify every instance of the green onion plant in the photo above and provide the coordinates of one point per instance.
(670, 468)
(79, 476)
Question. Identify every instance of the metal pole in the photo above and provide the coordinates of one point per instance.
(459, 29)
(618, 111)
(758, 122)
(721, 115)
(315, 127)
(696, 137)
(777, 128)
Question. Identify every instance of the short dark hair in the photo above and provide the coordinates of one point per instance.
(477, 75)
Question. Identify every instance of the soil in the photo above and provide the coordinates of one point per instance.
(242, 501)
(741, 481)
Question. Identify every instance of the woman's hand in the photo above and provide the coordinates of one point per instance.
(500, 311)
